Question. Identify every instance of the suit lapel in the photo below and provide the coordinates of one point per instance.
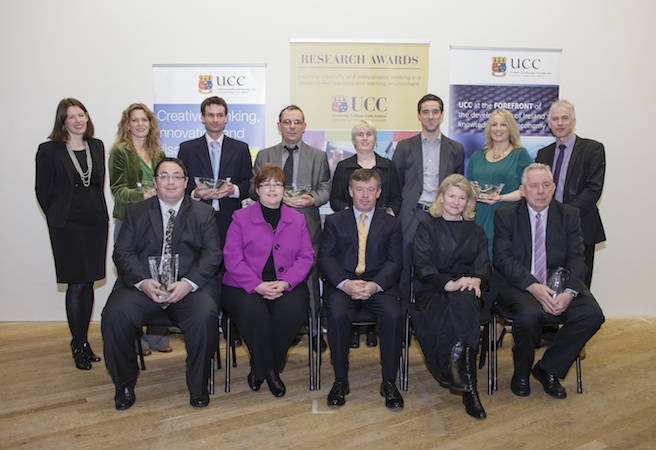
(526, 234)
(577, 153)
(304, 173)
(203, 157)
(155, 214)
(418, 156)
(553, 223)
(226, 158)
(180, 223)
(445, 157)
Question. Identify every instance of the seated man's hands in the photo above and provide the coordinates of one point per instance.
(543, 294)
(177, 291)
(360, 289)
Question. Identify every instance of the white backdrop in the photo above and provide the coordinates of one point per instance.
(102, 52)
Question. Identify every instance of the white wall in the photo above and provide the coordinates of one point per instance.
(102, 52)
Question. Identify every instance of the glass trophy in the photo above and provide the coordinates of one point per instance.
(485, 191)
(294, 192)
(164, 269)
(209, 183)
(558, 279)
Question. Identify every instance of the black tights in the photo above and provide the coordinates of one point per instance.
(79, 304)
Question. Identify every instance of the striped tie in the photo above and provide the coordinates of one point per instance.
(540, 268)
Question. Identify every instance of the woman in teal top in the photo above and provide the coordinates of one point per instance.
(132, 161)
(501, 160)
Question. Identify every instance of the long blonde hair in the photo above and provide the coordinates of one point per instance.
(513, 129)
(153, 145)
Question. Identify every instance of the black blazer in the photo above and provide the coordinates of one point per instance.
(513, 245)
(195, 239)
(339, 251)
(235, 164)
(390, 196)
(409, 162)
(583, 183)
(55, 179)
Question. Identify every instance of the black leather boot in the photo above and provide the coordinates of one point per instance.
(470, 399)
(456, 372)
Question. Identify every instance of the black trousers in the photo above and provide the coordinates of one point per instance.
(127, 309)
(580, 322)
(342, 311)
(268, 327)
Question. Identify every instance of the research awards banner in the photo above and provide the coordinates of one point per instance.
(338, 83)
(180, 89)
(522, 81)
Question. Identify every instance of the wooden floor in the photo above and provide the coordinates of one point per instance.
(47, 403)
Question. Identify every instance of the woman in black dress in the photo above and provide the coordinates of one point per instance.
(452, 265)
(70, 173)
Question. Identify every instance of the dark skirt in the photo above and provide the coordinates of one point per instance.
(80, 246)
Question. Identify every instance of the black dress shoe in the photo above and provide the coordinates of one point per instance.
(253, 383)
(337, 395)
(520, 386)
(276, 386)
(199, 401)
(355, 337)
(550, 382)
(124, 398)
(372, 340)
(473, 405)
(392, 395)
(81, 361)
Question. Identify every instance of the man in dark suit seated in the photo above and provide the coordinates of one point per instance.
(579, 167)
(172, 224)
(361, 260)
(531, 237)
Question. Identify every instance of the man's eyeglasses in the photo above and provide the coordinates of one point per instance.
(165, 177)
(288, 122)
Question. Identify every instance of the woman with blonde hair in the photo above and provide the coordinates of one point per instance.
(452, 268)
(132, 162)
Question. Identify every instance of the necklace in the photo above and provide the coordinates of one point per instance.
(362, 161)
(85, 176)
(499, 156)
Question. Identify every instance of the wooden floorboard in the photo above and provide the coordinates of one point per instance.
(48, 404)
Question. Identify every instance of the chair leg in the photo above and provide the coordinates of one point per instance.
(140, 348)
(405, 357)
(310, 350)
(490, 349)
(228, 336)
(483, 353)
(212, 376)
(579, 383)
(495, 374)
(318, 349)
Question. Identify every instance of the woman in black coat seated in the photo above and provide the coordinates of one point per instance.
(452, 266)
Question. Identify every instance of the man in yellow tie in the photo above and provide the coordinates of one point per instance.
(361, 260)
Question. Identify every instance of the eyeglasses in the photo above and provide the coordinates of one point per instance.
(272, 185)
(166, 177)
(288, 122)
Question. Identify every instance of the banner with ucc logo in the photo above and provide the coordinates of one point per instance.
(338, 83)
(483, 79)
(179, 89)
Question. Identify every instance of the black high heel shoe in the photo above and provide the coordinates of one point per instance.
(88, 353)
(500, 340)
(81, 361)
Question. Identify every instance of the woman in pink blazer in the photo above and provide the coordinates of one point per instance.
(268, 256)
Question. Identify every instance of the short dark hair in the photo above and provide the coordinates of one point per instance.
(172, 160)
(59, 133)
(365, 175)
(213, 101)
(291, 108)
(428, 98)
(269, 171)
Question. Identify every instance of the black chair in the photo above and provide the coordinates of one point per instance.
(231, 358)
(366, 318)
(498, 312)
(163, 321)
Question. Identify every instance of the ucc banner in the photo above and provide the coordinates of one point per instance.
(180, 89)
(523, 81)
(338, 83)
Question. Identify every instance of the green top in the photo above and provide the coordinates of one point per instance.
(126, 169)
(508, 171)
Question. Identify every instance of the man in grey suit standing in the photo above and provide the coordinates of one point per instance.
(308, 167)
(423, 161)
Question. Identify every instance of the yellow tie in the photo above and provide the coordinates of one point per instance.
(362, 245)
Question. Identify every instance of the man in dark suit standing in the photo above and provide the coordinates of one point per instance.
(531, 237)
(215, 155)
(579, 167)
(307, 167)
(169, 223)
(423, 161)
(361, 260)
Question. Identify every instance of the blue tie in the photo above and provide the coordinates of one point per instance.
(215, 158)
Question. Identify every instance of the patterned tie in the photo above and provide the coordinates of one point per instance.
(362, 245)
(169, 232)
(559, 163)
(288, 170)
(216, 162)
(540, 252)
